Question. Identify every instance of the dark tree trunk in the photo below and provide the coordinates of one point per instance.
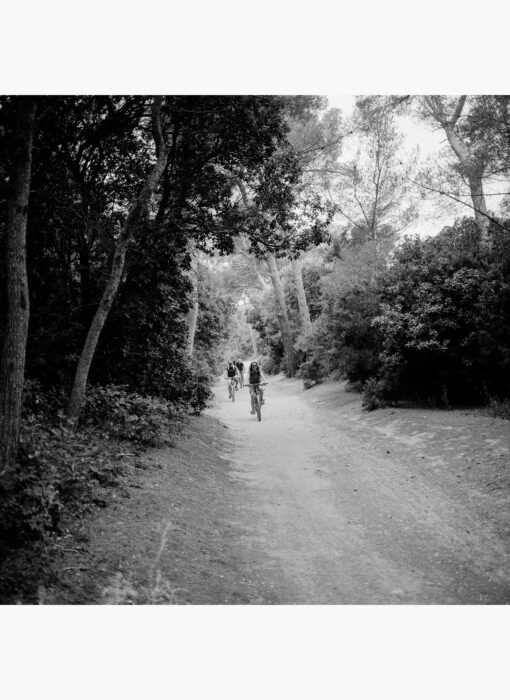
(119, 256)
(12, 365)
(193, 312)
(85, 291)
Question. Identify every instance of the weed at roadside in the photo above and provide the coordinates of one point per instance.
(157, 591)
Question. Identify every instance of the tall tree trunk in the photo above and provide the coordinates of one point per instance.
(254, 341)
(479, 204)
(119, 256)
(473, 172)
(304, 312)
(193, 312)
(471, 167)
(287, 339)
(12, 365)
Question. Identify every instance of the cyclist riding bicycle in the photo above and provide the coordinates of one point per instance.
(232, 373)
(256, 377)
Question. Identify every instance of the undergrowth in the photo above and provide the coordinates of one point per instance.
(499, 408)
(374, 394)
(61, 473)
(157, 591)
(123, 415)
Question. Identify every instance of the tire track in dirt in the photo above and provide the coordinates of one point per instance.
(329, 516)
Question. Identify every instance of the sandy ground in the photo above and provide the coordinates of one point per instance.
(391, 507)
(320, 502)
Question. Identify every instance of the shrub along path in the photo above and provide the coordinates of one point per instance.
(318, 503)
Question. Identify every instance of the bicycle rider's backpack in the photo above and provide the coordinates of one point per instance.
(254, 375)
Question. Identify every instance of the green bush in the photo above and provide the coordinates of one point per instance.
(57, 469)
(123, 415)
(30, 501)
(311, 372)
(444, 318)
(375, 394)
(269, 365)
(198, 392)
(344, 339)
(354, 387)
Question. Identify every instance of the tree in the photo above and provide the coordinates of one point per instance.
(304, 311)
(370, 191)
(265, 212)
(489, 122)
(317, 145)
(471, 155)
(193, 312)
(93, 154)
(126, 233)
(283, 317)
(285, 212)
(476, 128)
(12, 366)
(444, 316)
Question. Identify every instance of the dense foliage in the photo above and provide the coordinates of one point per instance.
(445, 317)
(91, 158)
(430, 325)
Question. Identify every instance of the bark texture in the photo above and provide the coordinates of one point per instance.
(287, 339)
(304, 311)
(125, 236)
(193, 312)
(12, 366)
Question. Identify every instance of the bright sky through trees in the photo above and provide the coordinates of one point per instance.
(425, 145)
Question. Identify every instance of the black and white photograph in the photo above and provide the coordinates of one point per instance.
(256, 349)
(255, 359)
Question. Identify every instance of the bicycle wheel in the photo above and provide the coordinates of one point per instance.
(257, 407)
(233, 391)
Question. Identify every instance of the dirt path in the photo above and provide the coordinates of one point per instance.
(318, 503)
(339, 506)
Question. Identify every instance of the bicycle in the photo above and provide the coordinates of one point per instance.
(256, 404)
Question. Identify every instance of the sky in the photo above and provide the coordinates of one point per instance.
(431, 142)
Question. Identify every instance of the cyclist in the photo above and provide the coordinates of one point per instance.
(232, 372)
(255, 376)
(240, 367)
